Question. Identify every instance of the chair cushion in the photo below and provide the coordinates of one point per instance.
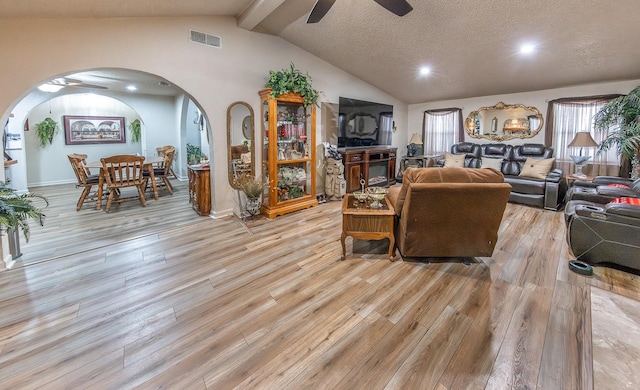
(453, 160)
(537, 168)
(495, 163)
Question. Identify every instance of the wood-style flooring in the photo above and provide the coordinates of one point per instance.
(159, 297)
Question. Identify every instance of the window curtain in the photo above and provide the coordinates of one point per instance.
(440, 129)
(568, 116)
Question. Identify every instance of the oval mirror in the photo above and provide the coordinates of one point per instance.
(504, 121)
(240, 142)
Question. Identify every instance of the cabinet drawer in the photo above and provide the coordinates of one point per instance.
(354, 157)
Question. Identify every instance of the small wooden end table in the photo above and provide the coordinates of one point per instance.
(360, 220)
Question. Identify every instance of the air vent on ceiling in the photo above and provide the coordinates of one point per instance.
(205, 39)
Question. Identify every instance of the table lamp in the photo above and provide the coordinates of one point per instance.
(582, 139)
(415, 145)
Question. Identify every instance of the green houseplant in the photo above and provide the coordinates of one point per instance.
(290, 80)
(45, 131)
(16, 210)
(622, 114)
(135, 127)
(194, 154)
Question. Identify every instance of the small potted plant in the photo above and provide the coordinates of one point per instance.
(292, 80)
(252, 188)
(194, 154)
(45, 131)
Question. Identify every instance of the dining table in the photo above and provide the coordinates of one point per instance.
(147, 165)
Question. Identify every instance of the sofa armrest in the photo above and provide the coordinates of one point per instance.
(554, 175)
(603, 180)
(628, 210)
(555, 189)
(393, 195)
(616, 192)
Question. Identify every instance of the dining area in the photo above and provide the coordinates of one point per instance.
(124, 177)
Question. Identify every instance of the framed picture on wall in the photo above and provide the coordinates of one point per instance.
(93, 130)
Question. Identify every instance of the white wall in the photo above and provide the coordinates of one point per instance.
(213, 77)
(538, 99)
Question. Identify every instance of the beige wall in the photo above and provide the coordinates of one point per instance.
(538, 99)
(35, 50)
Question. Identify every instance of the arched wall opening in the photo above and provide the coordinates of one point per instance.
(164, 117)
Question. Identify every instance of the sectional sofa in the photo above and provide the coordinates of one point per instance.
(528, 168)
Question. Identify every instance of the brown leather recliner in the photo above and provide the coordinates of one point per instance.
(449, 212)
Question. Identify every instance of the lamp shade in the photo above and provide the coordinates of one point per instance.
(416, 139)
(583, 139)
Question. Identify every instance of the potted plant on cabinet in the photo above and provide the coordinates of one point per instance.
(622, 114)
(292, 80)
(15, 212)
(45, 131)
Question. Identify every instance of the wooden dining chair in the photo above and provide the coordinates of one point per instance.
(122, 171)
(162, 171)
(83, 174)
(161, 152)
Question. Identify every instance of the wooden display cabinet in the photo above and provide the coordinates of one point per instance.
(200, 189)
(288, 153)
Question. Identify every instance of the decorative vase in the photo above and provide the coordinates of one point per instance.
(253, 206)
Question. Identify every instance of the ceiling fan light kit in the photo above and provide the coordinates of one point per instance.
(320, 9)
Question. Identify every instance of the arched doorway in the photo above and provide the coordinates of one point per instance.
(166, 112)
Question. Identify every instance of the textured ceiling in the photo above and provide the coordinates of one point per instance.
(471, 46)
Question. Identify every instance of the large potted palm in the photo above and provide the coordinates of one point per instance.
(621, 116)
(15, 212)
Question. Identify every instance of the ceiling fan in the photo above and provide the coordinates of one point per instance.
(60, 82)
(398, 7)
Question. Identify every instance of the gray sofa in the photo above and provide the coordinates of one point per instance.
(545, 193)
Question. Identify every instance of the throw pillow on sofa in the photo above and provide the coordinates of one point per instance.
(537, 168)
(495, 163)
(453, 160)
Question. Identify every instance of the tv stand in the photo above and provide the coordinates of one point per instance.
(375, 164)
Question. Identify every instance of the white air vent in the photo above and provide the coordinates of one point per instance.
(204, 38)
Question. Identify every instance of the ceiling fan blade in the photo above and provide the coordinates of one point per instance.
(398, 7)
(67, 82)
(85, 85)
(319, 10)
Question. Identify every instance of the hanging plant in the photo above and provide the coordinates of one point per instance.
(45, 131)
(135, 128)
(292, 80)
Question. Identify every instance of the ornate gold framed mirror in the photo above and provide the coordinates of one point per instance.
(240, 142)
(504, 122)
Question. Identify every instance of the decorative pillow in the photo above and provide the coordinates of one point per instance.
(537, 168)
(453, 160)
(625, 200)
(618, 185)
(495, 163)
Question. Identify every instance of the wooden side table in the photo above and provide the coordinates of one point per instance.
(361, 221)
(570, 179)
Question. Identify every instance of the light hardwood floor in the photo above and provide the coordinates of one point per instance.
(158, 297)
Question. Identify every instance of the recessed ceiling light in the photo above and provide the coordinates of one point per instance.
(527, 48)
(132, 87)
(425, 70)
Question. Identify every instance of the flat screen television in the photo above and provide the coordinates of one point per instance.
(363, 123)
